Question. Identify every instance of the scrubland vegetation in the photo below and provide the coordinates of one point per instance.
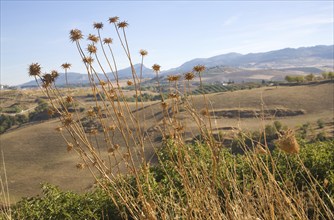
(146, 167)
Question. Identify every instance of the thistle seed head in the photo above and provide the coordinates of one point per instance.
(75, 35)
(54, 74)
(189, 76)
(122, 24)
(143, 52)
(93, 38)
(34, 69)
(129, 83)
(88, 60)
(156, 67)
(173, 78)
(69, 147)
(113, 19)
(98, 25)
(47, 78)
(69, 99)
(199, 68)
(80, 166)
(66, 66)
(91, 48)
(107, 40)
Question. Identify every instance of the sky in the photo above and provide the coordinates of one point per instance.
(173, 32)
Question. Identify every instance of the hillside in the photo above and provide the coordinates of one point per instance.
(37, 153)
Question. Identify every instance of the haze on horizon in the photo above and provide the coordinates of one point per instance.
(172, 32)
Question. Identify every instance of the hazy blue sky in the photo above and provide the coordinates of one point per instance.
(173, 32)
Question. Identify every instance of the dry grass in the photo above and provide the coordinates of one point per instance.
(202, 184)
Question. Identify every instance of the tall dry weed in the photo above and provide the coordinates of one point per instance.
(183, 181)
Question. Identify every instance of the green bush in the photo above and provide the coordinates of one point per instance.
(55, 204)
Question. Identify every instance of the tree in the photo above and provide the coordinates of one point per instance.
(309, 77)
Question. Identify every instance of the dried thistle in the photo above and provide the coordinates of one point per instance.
(54, 74)
(80, 166)
(189, 76)
(173, 95)
(68, 119)
(288, 143)
(204, 112)
(66, 66)
(111, 150)
(143, 52)
(47, 78)
(98, 25)
(107, 40)
(156, 67)
(69, 147)
(91, 113)
(34, 69)
(122, 24)
(113, 19)
(93, 38)
(199, 68)
(129, 83)
(164, 105)
(91, 48)
(69, 99)
(75, 35)
(112, 127)
(88, 60)
(173, 78)
(102, 83)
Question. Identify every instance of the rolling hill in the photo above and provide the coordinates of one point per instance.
(272, 65)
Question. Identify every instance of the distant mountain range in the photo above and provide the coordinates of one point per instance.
(272, 65)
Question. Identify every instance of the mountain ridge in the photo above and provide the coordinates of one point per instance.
(319, 57)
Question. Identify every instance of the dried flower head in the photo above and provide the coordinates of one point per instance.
(91, 48)
(199, 68)
(88, 60)
(173, 95)
(111, 150)
(93, 38)
(54, 74)
(113, 19)
(112, 127)
(80, 166)
(68, 119)
(75, 35)
(189, 76)
(102, 83)
(143, 52)
(66, 66)
(164, 105)
(93, 131)
(47, 78)
(173, 78)
(107, 40)
(98, 25)
(69, 147)
(122, 24)
(204, 112)
(288, 143)
(129, 83)
(90, 113)
(34, 69)
(69, 99)
(156, 67)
